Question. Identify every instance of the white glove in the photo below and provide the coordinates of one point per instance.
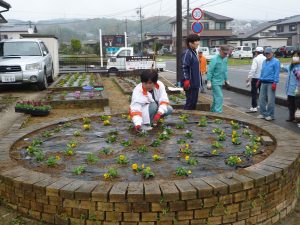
(208, 84)
(227, 82)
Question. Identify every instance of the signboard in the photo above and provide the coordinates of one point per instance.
(139, 63)
(113, 41)
(197, 27)
(197, 14)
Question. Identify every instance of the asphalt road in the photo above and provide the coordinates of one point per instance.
(243, 103)
(237, 77)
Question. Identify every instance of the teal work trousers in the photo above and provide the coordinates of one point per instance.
(217, 105)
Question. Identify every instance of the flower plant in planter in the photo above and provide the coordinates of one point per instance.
(233, 160)
(203, 122)
(77, 133)
(181, 171)
(79, 170)
(184, 118)
(77, 94)
(142, 149)
(222, 136)
(135, 167)
(217, 144)
(156, 158)
(246, 132)
(164, 136)
(217, 131)
(126, 143)
(235, 125)
(191, 161)
(249, 152)
(106, 151)
(180, 126)
(69, 152)
(236, 141)
(111, 139)
(105, 117)
(35, 108)
(181, 141)
(111, 173)
(215, 152)
(122, 159)
(147, 173)
(91, 95)
(218, 121)
(91, 158)
(188, 134)
(52, 161)
(156, 143)
(186, 149)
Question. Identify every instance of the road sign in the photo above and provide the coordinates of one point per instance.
(197, 13)
(113, 41)
(197, 27)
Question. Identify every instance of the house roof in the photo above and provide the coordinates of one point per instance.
(159, 33)
(2, 19)
(294, 19)
(4, 4)
(212, 15)
(13, 29)
(258, 29)
(38, 36)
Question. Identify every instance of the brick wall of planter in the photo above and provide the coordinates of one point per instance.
(260, 194)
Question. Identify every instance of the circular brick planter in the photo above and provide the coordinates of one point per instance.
(260, 194)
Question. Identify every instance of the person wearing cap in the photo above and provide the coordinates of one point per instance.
(269, 78)
(254, 75)
(190, 72)
(216, 76)
(203, 68)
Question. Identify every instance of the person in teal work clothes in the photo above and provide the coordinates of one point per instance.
(216, 76)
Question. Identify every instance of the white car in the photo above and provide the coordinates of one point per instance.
(242, 52)
(205, 52)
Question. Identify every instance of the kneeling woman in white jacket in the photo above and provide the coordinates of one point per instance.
(149, 101)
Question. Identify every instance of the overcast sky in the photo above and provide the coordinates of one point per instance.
(239, 9)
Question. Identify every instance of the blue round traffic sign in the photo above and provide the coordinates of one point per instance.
(197, 27)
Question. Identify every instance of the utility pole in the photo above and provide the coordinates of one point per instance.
(187, 17)
(139, 11)
(126, 22)
(178, 39)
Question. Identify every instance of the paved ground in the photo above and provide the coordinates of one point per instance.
(239, 101)
(237, 76)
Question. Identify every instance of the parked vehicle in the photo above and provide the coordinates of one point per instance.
(25, 61)
(205, 52)
(285, 51)
(125, 60)
(242, 52)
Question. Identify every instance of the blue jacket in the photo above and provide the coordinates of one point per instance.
(217, 70)
(291, 80)
(270, 71)
(190, 68)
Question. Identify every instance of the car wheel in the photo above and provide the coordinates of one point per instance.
(161, 69)
(50, 79)
(42, 85)
(112, 70)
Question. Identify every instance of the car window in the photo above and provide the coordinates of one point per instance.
(20, 48)
(44, 47)
(124, 53)
(246, 48)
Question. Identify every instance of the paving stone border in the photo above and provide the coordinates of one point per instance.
(260, 194)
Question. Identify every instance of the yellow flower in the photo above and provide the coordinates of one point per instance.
(189, 172)
(187, 158)
(143, 166)
(106, 122)
(214, 152)
(129, 118)
(134, 166)
(57, 157)
(106, 176)
(187, 145)
(122, 157)
(108, 117)
(70, 152)
(239, 160)
(233, 140)
(254, 150)
(86, 126)
(73, 145)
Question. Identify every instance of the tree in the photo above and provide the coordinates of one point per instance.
(75, 45)
(157, 46)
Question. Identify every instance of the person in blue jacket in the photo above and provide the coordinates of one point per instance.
(269, 78)
(190, 77)
(217, 75)
(292, 82)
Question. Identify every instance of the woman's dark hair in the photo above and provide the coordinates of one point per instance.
(149, 75)
(192, 38)
(296, 53)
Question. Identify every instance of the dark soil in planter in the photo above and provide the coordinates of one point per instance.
(94, 140)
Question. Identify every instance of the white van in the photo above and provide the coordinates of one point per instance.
(241, 52)
(205, 52)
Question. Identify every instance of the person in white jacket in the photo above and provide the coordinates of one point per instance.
(254, 75)
(149, 101)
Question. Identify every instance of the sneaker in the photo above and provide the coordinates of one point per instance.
(146, 127)
(269, 118)
(260, 117)
(253, 109)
